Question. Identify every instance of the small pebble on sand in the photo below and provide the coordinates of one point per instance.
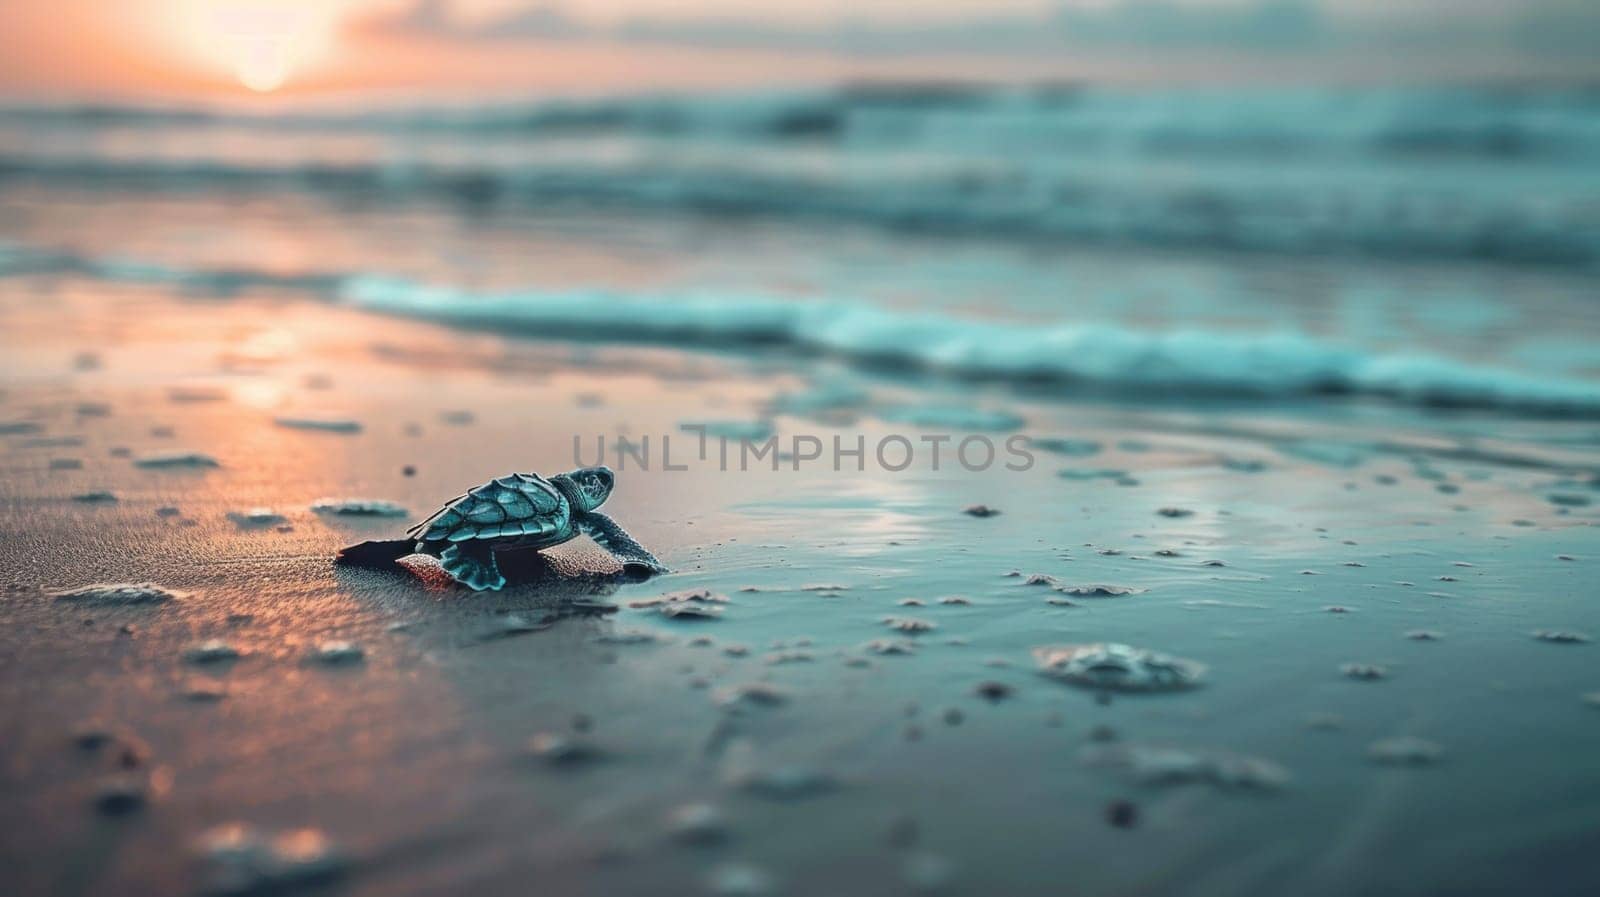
(204, 692)
(1117, 667)
(910, 625)
(337, 652)
(1122, 814)
(992, 691)
(1561, 636)
(324, 424)
(242, 860)
(562, 750)
(696, 596)
(689, 610)
(1099, 590)
(891, 646)
(176, 460)
(358, 507)
(91, 736)
(118, 594)
(256, 517)
(507, 625)
(122, 794)
(1404, 750)
(697, 823)
(211, 651)
(1364, 671)
(1158, 765)
(779, 658)
(752, 694)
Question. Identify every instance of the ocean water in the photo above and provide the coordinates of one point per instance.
(1426, 244)
(1493, 174)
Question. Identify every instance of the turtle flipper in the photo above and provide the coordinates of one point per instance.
(378, 553)
(471, 563)
(607, 534)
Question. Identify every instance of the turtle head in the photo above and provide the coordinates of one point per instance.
(587, 487)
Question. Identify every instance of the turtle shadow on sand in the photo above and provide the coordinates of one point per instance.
(540, 591)
(531, 571)
(536, 576)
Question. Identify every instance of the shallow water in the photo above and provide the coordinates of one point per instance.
(433, 739)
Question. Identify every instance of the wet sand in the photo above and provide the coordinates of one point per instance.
(1291, 556)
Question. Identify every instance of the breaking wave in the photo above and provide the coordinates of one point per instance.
(1070, 356)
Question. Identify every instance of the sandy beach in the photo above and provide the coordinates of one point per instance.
(865, 713)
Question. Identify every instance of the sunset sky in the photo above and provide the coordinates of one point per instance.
(236, 49)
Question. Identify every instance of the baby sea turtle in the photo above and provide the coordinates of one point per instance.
(517, 511)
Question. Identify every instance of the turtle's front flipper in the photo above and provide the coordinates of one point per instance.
(471, 563)
(635, 558)
(379, 553)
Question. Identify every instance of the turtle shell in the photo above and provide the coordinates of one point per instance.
(515, 506)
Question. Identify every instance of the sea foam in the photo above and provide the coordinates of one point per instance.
(1072, 355)
(1069, 356)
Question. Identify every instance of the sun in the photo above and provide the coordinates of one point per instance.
(263, 64)
(262, 44)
